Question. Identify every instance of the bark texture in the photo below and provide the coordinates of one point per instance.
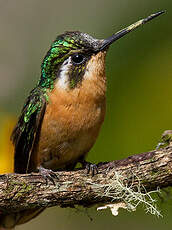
(150, 170)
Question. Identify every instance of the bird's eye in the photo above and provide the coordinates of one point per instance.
(78, 58)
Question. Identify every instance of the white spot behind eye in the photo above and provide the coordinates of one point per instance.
(63, 79)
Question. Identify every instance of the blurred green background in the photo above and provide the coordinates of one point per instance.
(139, 96)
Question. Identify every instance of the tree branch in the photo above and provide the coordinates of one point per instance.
(145, 171)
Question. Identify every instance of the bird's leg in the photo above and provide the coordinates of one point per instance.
(48, 174)
(91, 168)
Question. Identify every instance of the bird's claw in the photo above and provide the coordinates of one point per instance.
(91, 169)
(48, 175)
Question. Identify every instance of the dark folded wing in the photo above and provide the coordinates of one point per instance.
(26, 132)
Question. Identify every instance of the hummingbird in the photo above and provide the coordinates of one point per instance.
(63, 114)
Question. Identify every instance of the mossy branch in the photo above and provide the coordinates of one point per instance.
(115, 182)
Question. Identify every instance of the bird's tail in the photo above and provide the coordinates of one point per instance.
(9, 221)
(2, 228)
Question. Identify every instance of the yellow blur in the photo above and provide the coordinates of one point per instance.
(6, 147)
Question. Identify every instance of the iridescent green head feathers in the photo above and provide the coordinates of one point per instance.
(70, 53)
(70, 44)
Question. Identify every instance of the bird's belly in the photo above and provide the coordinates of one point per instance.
(66, 136)
(65, 153)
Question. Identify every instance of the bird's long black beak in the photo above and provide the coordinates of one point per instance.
(107, 42)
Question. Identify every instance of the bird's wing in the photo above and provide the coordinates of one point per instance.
(26, 133)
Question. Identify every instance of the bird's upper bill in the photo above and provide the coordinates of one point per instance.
(107, 42)
(77, 40)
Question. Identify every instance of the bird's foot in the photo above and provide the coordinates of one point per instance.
(48, 175)
(90, 168)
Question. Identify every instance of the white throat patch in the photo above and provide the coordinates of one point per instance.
(62, 81)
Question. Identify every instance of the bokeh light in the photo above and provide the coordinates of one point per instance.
(139, 94)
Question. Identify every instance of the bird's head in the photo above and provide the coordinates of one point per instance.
(73, 56)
